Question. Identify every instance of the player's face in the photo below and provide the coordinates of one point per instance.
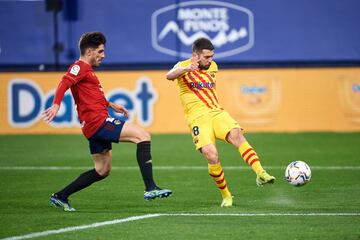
(205, 58)
(97, 55)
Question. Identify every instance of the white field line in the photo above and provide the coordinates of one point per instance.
(258, 214)
(136, 218)
(81, 227)
(185, 168)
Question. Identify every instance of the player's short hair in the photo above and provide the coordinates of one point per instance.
(91, 40)
(201, 44)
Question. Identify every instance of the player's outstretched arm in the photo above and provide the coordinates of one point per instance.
(178, 70)
(175, 73)
(49, 114)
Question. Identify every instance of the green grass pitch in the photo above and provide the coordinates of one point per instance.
(34, 166)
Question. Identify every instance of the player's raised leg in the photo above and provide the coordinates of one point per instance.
(216, 172)
(142, 139)
(249, 155)
(102, 162)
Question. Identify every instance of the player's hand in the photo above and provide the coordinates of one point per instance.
(194, 64)
(49, 114)
(119, 109)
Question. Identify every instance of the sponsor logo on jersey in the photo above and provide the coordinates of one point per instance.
(201, 85)
(230, 27)
(75, 70)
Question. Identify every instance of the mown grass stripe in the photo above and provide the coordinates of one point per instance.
(136, 218)
(136, 168)
(81, 227)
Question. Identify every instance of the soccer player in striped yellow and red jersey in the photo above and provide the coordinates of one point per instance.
(207, 120)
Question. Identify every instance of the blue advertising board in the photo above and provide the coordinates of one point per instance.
(158, 32)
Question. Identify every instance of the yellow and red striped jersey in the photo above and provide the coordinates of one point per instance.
(198, 91)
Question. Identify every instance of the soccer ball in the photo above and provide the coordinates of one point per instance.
(298, 173)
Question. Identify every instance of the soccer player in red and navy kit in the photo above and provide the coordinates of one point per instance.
(100, 129)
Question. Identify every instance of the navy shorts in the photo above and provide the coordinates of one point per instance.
(108, 132)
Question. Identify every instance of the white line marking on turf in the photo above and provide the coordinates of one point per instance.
(135, 218)
(136, 168)
(81, 227)
(259, 214)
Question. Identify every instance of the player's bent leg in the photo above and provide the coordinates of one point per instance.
(103, 163)
(60, 199)
(236, 138)
(133, 133)
(217, 174)
(143, 156)
(210, 153)
(142, 138)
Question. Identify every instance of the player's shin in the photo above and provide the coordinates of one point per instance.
(84, 180)
(217, 173)
(250, 157)
(143, 155)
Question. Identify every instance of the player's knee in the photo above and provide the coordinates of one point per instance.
(104, 170)
(107, 172)
(212, 156)
(144, 136)
(235, 137)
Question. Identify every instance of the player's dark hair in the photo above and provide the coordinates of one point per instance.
(91, 40)
(201, 44)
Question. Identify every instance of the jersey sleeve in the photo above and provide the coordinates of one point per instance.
(63, 86)
(176, 65)
(76, 73)
(184, 63)
(180, 64)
